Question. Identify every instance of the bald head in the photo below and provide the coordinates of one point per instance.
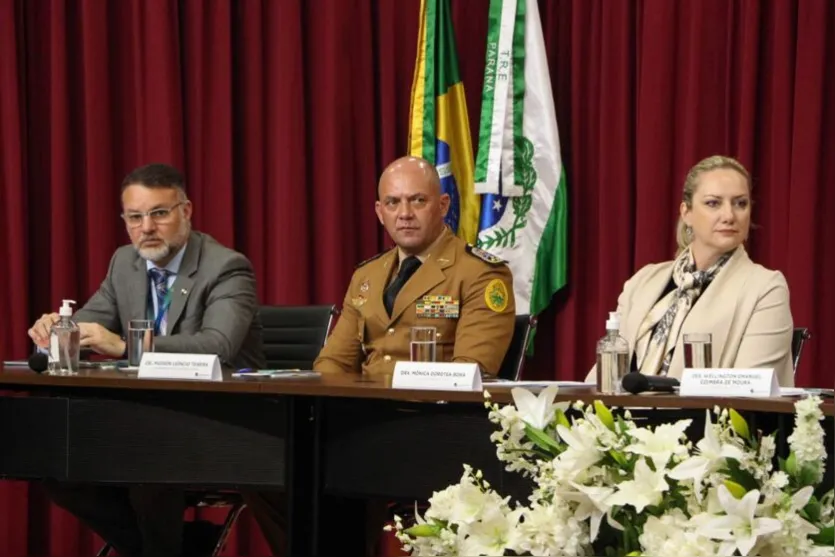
(410, 203)
(411, 168)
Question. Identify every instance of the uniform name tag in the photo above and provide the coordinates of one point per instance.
(732, 382)
(436, 376)
(200, 367)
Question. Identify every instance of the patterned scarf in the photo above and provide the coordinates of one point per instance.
(658, 333)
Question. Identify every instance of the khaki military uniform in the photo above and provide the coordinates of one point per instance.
(462, 291)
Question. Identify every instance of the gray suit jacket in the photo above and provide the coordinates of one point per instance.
(214, 308)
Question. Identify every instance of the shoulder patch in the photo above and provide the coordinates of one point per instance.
(370, 259)
(496, 296)
(484, 255)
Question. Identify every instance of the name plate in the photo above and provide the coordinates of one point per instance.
(730, 382)
(436, 376)
(200, 367)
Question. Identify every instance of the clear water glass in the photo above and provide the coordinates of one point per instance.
(140, 340)
(423, 344)
(698, 350)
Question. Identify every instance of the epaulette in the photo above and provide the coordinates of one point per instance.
(370, 259)
(485, 256)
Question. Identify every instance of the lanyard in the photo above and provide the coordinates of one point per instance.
(161, 311)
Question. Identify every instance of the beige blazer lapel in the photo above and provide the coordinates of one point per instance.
(181, 289)
(645, 296)
(710, 312)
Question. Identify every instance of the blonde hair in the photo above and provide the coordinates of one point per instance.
(691, 182)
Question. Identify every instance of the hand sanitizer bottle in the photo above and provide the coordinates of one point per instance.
(64, 342)
(612, 358)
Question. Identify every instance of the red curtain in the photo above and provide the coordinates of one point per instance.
(283, 112)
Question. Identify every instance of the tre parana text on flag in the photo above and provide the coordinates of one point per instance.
(518, 171)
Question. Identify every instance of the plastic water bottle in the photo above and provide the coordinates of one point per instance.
(612, 358)
(64, 342)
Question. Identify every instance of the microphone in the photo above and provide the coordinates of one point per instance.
(38, 362)
(637, 383)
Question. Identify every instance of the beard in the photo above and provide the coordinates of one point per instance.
(167, 248)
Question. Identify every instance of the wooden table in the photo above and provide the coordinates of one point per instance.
(311, 437)
(350, 386)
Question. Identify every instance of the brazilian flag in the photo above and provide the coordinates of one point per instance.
(439, 129)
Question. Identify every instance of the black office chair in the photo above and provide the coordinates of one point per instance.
(799, 337)
(292, 337)
(514, 360)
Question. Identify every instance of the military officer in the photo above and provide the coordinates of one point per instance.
(431, 278)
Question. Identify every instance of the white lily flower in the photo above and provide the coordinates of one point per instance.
(470, 504)
(646, 489)
(492, 535)
(592, 504)
(800, 526)
(659, 445)
(801, 498)
(442, 503)
(582, 452)
(738, 528)
(709, 458)
(538, 411)
(822, 551)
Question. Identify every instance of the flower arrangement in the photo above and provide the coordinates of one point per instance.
(605, 486)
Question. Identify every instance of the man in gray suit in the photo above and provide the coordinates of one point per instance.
(202, 299)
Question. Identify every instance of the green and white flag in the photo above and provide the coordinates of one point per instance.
(519, 169)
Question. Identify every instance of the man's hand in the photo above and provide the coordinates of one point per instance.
(39, 332)
(101, 340)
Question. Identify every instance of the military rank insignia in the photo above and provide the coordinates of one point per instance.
(438, 307)
(358, 301)
(496, 296)
(484, 255)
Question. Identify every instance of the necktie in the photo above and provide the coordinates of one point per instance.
(160, 278)
(407, 269)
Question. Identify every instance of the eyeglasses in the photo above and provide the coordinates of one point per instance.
(159, 216)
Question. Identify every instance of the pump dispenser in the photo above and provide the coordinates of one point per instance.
(613, 323)
(64, 342)
(612, 357)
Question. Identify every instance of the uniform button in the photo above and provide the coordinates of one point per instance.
(391, 331)
(387, 358)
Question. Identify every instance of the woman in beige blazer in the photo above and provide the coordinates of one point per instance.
(711, 287)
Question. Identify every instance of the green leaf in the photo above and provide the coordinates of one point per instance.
(423, 531)
(813, 509)
(621, 425)
(825, 537)
(735, 489)
(809, 473)
(542, 439)
(791, 465)
(627, 538)
(561, 418)
(619, 457)
(634, 554)
(739, 424)
(741, 477)
(604, 415)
